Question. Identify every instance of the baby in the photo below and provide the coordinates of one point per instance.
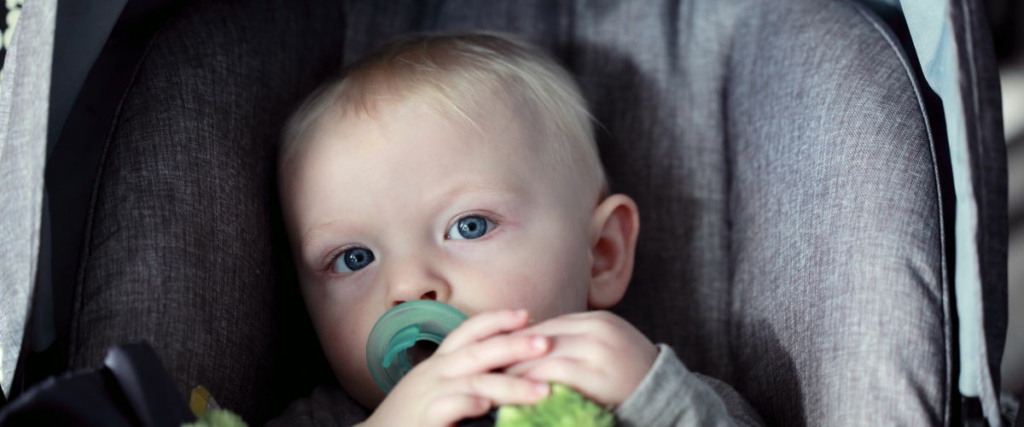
(463, 169)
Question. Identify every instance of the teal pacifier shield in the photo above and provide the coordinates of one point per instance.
(400, 329)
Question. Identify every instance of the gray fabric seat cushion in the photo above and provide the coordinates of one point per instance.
(837, 249)
(181, 247)
(791, 242)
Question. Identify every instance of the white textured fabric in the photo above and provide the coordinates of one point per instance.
(24, 103)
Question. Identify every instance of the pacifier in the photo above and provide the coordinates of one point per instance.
(406, 335)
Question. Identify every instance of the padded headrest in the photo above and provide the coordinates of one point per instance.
(183, 245)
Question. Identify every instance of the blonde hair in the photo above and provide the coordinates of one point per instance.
(450, 72)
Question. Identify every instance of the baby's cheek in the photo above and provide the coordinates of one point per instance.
(336, 345)
(563, 285)
(342, 337)
(345, 350)
(545, 297)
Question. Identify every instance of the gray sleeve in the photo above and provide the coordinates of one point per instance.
(671, 395)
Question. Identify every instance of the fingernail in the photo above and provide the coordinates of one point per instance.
(522, 312)
(542, 389)
(539, 343)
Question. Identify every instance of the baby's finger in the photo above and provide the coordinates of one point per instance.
(495, 353)
(450, 409)
(503, 389)
(595, 323)
(571, 373)
(581, 349)
(483, 326)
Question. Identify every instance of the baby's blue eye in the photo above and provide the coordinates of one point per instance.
(470, 227)
(352, 260)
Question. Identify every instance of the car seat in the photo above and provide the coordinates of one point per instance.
(793, 172)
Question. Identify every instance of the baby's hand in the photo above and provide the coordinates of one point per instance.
(597, 353)
(457, 382)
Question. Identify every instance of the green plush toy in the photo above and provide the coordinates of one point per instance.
(563, 408)
(218, 418)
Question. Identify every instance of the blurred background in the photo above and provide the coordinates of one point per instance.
(1007, 21)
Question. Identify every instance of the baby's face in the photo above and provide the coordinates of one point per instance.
(410, 205)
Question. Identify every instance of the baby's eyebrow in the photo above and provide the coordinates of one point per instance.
(490, 192)
(315, 228)
(450, 195)
(309, 240)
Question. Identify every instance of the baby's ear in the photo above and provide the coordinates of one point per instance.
(614, 226)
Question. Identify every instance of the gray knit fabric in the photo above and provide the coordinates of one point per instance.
(181, 249)
(839, 296)
(671, 395)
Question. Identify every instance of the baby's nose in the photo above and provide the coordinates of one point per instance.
(411, 282)
(430, 295)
